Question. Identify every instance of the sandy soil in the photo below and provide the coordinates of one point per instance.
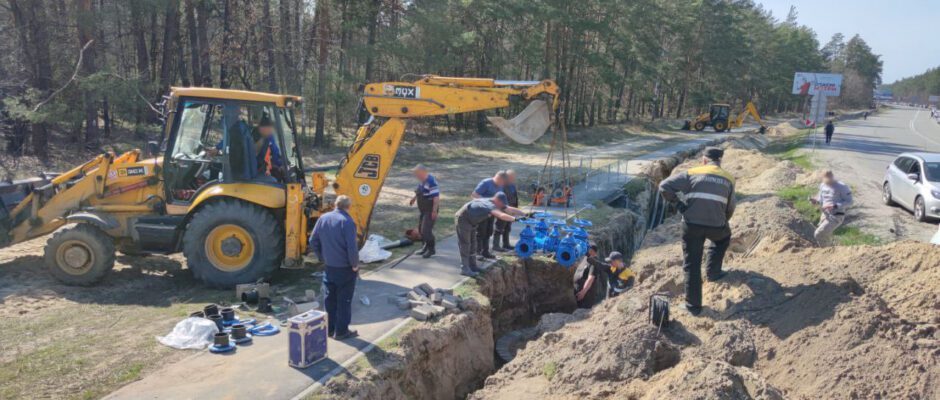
(789, 321)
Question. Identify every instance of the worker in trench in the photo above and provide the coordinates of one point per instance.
(621, 277)
(705, 197)
(590, 278)
(428, 197)
(469, 219)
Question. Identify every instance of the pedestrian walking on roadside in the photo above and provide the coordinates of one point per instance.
(503, 228)
(486, 189)
(428, 198)
(834, 198)
(705, 197)
(469, 218)
(830, 129)
(334, 242)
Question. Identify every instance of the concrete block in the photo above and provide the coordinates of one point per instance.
(403, 304)
(446, 291)
(449, 304)
(423, 312)
(417, 296)
(310, 295)
(436, 298)
(424, 288)
(416, 303)
(438, 310)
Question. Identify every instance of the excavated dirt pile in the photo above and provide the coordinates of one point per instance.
(789, 321)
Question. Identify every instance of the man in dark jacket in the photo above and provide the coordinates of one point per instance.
(334, 242)
(468, 220)
(503, 228)
(486, 189)
(428, 197)
(705, 197)
(590, 279)
(830, 129)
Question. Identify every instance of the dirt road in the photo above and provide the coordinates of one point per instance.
(860, 152)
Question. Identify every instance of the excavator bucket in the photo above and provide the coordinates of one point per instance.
(528, 126)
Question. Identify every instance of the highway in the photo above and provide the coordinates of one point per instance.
(860, 152)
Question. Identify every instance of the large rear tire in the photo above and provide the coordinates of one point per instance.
(720, 126)
(699, 126)
(80, 255)
(231, 242)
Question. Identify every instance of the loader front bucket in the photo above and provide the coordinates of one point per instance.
(528, 126)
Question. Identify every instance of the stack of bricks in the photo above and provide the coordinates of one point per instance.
(427, 303)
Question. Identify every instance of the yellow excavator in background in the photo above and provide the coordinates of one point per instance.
(719, 118)
(237, 214)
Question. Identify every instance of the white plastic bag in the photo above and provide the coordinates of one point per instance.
(190, 333)
(372, 251)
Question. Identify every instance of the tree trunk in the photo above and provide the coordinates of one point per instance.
(287, 47)
(226, 42)
(370, 41)
(268, 40)
(170, 33)
(86, 19)
(323, 36)
(202, 34)
(195, 51)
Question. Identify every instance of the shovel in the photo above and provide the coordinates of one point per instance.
(528, 126)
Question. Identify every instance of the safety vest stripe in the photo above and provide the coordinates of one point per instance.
(707, 196)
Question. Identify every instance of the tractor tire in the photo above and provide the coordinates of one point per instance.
(230, 242)
(699, 126)
(80, 255)
(720, 126)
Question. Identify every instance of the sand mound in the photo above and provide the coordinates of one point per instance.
(790, 320)
(755, 172)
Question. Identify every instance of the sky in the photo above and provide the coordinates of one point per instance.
(901, 31)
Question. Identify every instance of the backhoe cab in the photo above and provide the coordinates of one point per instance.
(720, 119)
(227, 187)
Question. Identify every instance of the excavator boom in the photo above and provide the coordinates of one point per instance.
(362, 173)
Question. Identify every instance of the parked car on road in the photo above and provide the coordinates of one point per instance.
(913, 182)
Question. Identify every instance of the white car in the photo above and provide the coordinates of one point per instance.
(913, 182)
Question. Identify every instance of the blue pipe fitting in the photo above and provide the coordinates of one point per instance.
(526, 244)
(568, 251)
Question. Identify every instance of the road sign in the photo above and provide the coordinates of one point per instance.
(812, 83)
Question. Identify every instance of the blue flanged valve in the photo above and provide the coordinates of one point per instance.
(526, 245)
(551, 243)
(568, 251)
(541, 234)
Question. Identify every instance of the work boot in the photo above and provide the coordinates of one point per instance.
(717, 277)
(348, 335)
(496, 247)
(506, 244)
(423, 250)
(467, 272)
(487, 255)
(428, 253)
(692, 310)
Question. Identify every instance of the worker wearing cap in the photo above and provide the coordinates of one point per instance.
(468, 220)
(590, 279)
(833, 199)
(428, 197)
(621, 278)
(705, 197)
(487, 188)
(503, 228)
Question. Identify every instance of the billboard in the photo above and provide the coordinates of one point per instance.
(811, 83)
(933, 99)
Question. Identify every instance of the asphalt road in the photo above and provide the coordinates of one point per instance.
(860, 152)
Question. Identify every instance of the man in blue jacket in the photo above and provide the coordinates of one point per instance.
(334, 242)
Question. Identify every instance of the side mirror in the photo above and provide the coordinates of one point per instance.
(913, 177)
(153, 149)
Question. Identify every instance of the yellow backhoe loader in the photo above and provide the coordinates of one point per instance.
(234, 200)
(719, 118)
